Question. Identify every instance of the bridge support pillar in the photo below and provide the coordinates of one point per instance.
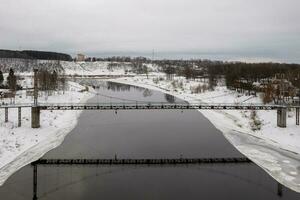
(35, 182)
(6, 115)
(279, 189)
(297, 116)
(281, 117)
(19, 116)
(35, 117)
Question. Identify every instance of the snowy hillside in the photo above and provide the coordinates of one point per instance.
(25, 65)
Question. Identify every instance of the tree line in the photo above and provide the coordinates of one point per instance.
(11, 81)
(40, 55)
(277, 82)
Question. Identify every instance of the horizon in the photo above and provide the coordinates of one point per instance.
(252, 31)
(176, 56)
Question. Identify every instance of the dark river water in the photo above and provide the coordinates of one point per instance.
(144, 134)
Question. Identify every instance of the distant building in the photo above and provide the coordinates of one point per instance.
(80, 57)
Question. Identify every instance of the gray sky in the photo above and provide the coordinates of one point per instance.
(255, 30)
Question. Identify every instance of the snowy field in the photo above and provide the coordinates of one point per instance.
(256, 135)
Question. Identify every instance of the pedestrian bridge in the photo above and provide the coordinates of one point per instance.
(126, 162)
(163, 161)
(147, 105)
(37, 108)
(156, 106)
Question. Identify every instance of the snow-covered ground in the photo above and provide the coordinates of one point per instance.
(274, 149)
(20, 146)
(93, 68)
(256, 135)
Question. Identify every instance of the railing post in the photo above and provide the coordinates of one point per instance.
(281, 117)
(35, 117)
(6, 115)
(297, 116)
(19, 116)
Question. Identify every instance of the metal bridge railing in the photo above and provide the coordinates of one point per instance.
(152, 104)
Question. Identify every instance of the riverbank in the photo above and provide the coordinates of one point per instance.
(20, 146)
(274, 149)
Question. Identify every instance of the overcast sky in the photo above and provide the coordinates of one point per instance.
(234, 29)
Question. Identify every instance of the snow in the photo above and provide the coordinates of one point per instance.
(20, 146)
(281, 164)
(237, 124)
(274, 149)
(92, 68)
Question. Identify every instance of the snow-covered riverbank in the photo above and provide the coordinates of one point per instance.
(20, 146)
(274, 149)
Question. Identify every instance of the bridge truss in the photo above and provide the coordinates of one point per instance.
(157, 106)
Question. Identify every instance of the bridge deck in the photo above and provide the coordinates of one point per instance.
(157, 106)
(139, 161)
(150, 106)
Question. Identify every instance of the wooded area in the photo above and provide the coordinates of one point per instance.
(40, 55)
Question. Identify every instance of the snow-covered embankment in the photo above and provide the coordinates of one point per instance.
(20, 146)
(274, 149)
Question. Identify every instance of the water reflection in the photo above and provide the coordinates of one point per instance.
(169, 98)
(144, 134)
(64, 179)
(113, 86)
(147, 93)
(118, 87)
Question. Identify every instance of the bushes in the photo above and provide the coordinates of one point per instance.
(255, 123)
(157, 80)
(177, 84)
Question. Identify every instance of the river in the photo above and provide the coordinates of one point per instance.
(144, 134)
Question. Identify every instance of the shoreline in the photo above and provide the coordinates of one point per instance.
(56, 138)
(233, 135)
(53, 137)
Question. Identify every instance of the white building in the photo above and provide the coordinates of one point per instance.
(80, 57)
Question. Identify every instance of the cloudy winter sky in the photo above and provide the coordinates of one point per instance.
(220, 29)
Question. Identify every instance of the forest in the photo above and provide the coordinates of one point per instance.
(39, 55)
